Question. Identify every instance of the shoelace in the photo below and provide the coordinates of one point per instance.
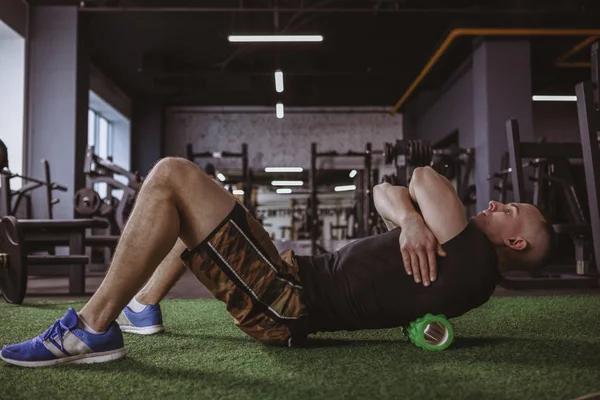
(57, 329)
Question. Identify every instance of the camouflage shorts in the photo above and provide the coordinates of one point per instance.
(239, 264)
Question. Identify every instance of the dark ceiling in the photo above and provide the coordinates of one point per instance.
(372, 50)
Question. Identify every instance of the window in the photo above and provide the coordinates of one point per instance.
(12, 99)
(100, 134)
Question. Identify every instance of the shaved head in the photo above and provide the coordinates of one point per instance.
(521, 233)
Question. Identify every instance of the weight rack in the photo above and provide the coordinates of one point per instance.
(364, 189)
(8, 207)
(246, 178)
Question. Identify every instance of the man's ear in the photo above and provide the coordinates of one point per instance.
(516, 243)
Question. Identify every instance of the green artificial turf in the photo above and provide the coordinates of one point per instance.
(511, 348)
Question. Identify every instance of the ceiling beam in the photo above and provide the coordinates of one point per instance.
(97, 7)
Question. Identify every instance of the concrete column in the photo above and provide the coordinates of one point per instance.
(57, 102)
(501, 90)
(146, 135)
(14, 14)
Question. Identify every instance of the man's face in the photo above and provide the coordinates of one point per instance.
(501, 222)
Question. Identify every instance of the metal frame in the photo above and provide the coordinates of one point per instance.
(589, 125)
(94, 162)
(246, 176)
(364, 189)
(595, 62)
(8, 207)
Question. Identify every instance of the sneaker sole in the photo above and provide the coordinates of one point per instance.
(90, 358)
(146, 330)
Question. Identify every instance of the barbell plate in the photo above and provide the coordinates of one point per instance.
(87, 202)
(13, 274)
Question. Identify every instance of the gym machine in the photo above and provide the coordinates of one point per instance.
(10, 200)
(504, 186)
(366, 217)
(87, 201)
(588, 111)
(554, 182)
(246, 176)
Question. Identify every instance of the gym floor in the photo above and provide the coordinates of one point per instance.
(520, 345)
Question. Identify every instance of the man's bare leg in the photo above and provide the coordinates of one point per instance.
(164, 278)
(168, 272)
(176, 200)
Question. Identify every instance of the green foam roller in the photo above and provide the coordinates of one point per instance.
(431, 332)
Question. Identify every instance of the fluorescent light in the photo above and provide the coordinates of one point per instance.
(284, 169)
(238, 192)
(554, 98)
(284, 191)
(274, 38)
(344, 188)
(353, 173)
(287, 183)
(279, 110)
(279, 81)
(221, 177)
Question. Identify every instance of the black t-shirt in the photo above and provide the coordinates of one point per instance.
(365, 286)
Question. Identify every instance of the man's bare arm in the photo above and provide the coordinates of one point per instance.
(394, 204)
(440, 206)
(418, 245)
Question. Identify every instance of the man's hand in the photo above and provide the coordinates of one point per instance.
(419, 247)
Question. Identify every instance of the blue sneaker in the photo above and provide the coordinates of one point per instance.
(66, 343)
(146, 322)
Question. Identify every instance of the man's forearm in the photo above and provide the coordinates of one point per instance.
(394, 204)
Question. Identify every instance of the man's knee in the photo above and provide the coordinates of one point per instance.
(175, 165)
(171, 167)
(170, 171)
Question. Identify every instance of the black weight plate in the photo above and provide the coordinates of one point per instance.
(389, 153)
(13, 271)
(420, 156)
(410, 156)
(3, 156)
(429, 152)
(87, 202)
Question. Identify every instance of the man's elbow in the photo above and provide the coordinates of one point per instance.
(421, 177)
(423, 172)
(380, 187)
(417, 176)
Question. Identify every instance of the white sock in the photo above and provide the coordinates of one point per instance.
(135, 305)
(83, 325)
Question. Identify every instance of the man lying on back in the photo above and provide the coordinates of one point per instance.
(279, 299)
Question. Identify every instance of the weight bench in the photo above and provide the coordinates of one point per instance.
(101, 240)
(20, 238)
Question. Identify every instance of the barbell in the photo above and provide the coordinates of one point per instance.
(419, 153)
(14, 260)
